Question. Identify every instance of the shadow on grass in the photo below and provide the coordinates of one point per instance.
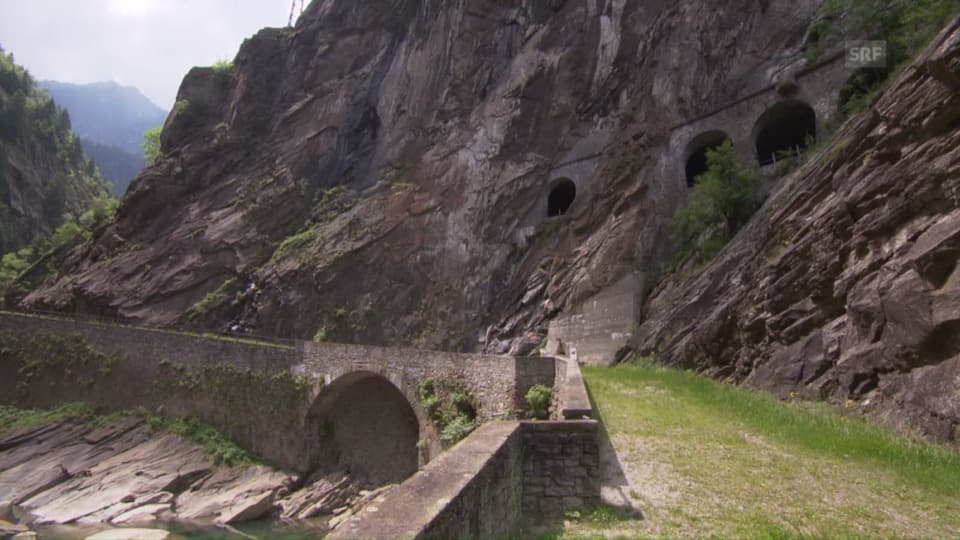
(615, 488)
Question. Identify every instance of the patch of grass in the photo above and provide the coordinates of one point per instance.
(216, 445)
(212, 299)
(293, 243)
(707, 459)
(814, 427)
(17, 418)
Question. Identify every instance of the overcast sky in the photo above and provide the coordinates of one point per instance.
(150, 44)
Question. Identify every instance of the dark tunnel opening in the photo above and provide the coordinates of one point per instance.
(561, 197)
(784, 130)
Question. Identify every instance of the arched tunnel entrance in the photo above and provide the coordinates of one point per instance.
(561, 197)
(785, 129)
(697, 153)
(365, 425)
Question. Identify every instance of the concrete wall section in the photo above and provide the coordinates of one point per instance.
(600, 327)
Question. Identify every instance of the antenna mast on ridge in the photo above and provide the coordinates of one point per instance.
(293, 9)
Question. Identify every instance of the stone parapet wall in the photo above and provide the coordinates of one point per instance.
(504, 476)
(561, 468)
(498, 382)
(474, 490)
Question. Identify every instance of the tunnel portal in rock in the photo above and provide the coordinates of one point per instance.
(697, 153)
(365, 424)
(785, 129)
(561, 197)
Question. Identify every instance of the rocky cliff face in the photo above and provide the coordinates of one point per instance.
(846, 284)
(380, 172)
(44, 173)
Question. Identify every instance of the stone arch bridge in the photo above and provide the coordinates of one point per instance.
(294, 403)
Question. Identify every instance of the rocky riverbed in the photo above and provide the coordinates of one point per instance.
(122, 474)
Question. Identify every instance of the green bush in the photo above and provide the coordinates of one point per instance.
(151, 145)
(452, 409)
(426, 388)
(722, 201)
(223, 67)
(321, 335)
(432, 404)
(14, 264)
(464, 404)
(457, 430)
(538, 402)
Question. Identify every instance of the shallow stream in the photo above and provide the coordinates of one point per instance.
(260, 530)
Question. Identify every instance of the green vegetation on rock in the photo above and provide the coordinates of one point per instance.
(296, 242)
(213, 299)
(722, 201)
(151, 145)
(72, 231)
(223, 68)
(17, 418)
(54, 175)
(450, 406)
(906, 25)
(215, 444)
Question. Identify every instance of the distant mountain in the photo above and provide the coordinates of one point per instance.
(111, 120)
(44, 174)
(115, 164)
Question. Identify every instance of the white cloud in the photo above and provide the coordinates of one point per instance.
(150, 44)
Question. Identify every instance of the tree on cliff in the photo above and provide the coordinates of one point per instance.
(723, 199)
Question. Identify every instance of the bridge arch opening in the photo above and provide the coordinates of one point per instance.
(697, 153)
(364, 424)
(784, 130)
(561, 197)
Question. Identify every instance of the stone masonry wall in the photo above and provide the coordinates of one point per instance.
(503, 476)
(259, 393)
(561, 468)
(245, 390)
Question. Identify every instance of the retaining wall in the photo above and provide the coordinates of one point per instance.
(258, 393)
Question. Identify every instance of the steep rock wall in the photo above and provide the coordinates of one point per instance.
(845, 284)
(379, 172)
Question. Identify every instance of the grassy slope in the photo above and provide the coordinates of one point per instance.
(705, 459)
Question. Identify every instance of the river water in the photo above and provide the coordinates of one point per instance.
(261, 530)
